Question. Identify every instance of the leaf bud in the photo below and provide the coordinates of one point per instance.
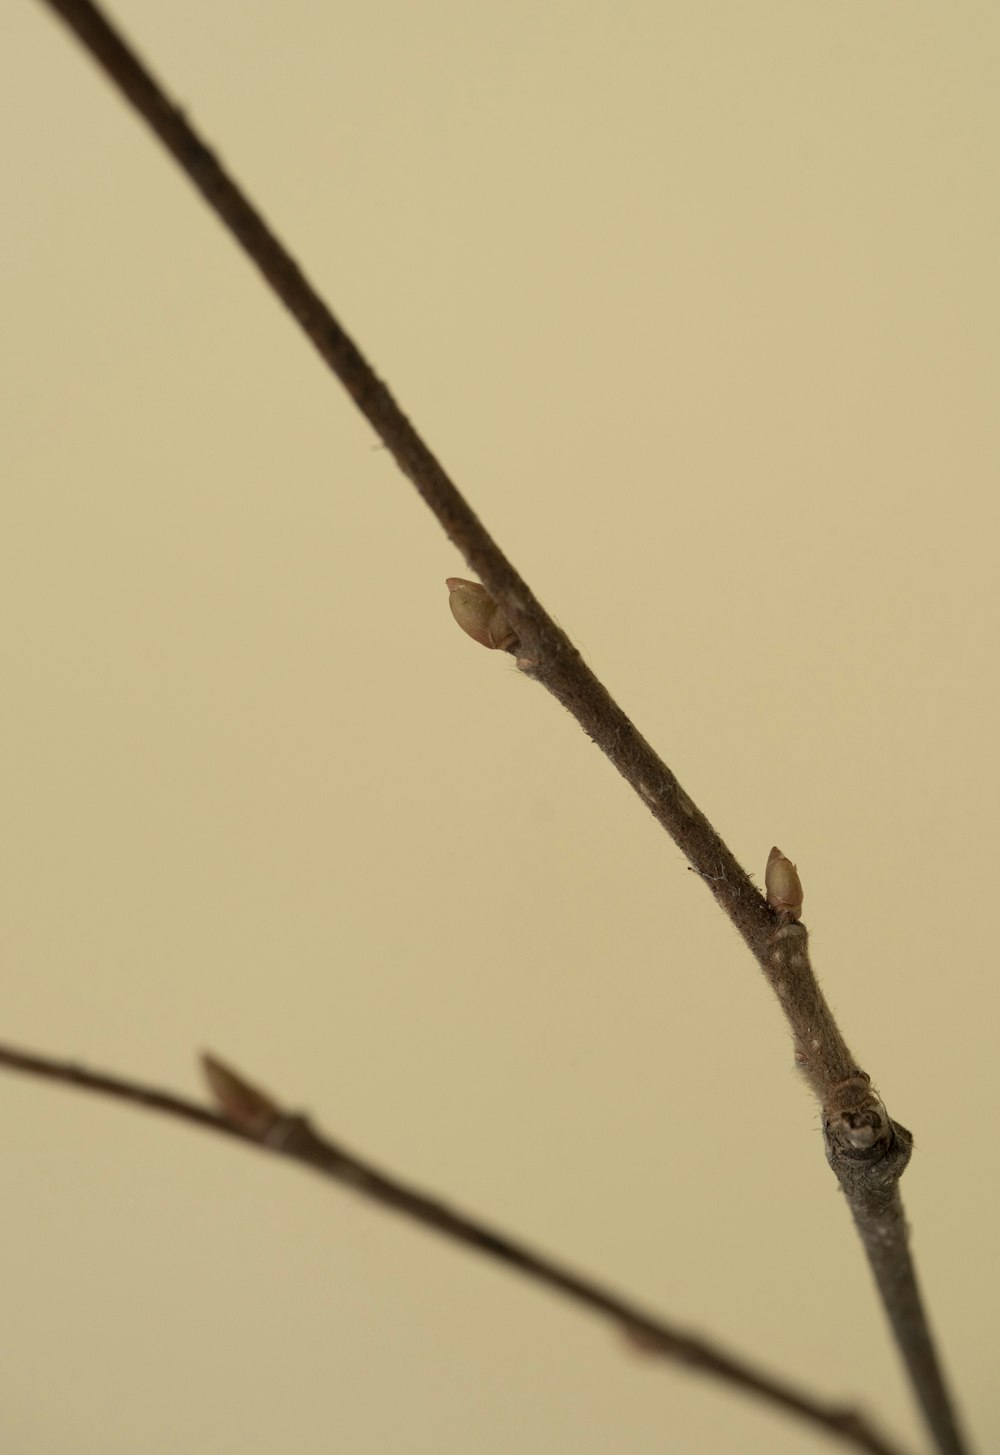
(239, 1102)
(784, 888)
(478, 615)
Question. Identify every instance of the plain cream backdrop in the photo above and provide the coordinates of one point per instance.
(698, 302)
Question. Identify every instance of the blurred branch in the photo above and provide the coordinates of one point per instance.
(866, 1149)
(253, 1117)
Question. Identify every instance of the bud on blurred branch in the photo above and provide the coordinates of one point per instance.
(240, 1103)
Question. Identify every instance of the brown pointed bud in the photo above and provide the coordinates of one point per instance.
(240, 1103)
(641, 1340)
(478, 615)
(784, 888)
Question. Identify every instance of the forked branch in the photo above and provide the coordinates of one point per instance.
(866, 1149)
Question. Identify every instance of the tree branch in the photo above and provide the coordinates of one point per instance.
(866, 1149)
(253, 1117)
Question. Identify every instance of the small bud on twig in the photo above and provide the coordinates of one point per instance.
(478, 615)
(784, 888)
(240, 1103)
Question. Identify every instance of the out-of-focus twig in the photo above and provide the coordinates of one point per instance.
(252, 1116)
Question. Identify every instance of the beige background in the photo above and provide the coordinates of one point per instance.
(698, 302)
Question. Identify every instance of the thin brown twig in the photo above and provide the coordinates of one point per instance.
(866, 1149)
(253, 1117)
